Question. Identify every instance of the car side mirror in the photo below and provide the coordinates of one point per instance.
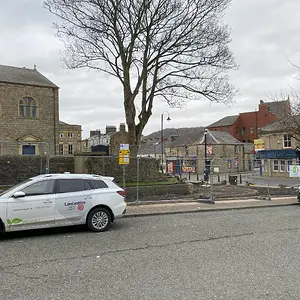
(19, 194)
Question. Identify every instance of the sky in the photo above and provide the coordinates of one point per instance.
(264, 35)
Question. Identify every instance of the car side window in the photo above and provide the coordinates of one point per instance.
(72, 185)
(98, 184)
(39, 188)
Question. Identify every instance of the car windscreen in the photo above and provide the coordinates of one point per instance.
(15, 187)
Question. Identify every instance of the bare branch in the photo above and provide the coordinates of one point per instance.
(172, 50)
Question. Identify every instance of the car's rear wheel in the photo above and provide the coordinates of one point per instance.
(2, 229)
(99, 219)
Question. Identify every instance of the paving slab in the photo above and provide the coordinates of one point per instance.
(196, 206)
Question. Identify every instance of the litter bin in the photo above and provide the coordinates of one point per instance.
(233, 179)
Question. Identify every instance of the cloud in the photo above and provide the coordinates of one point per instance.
(264, 34)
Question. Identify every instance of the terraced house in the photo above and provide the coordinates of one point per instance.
(69, 138)
(29, 112)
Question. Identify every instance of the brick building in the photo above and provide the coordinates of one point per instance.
(245, 126)
(29, 112)
(69, 138)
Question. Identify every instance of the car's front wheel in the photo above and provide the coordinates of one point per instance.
(99, 219)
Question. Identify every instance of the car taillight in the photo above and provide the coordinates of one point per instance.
(122, 193)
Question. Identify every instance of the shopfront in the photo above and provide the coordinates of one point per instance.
(275, 163)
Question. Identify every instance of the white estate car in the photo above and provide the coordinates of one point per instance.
(53, 200)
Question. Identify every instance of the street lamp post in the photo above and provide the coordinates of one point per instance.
(205, 147)
(162, 137)
(206, 166)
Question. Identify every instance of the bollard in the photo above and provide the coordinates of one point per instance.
(218, 177)
(241, 179)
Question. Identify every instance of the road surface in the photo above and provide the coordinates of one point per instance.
(244, 254)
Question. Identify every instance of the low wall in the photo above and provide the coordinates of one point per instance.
(276, 191)
(158, 192)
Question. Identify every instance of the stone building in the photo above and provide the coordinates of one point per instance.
(69, 139)
(29, 112)
(186, 153)
(279, 149)
(110, 140)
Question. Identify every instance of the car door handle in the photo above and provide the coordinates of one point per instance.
(87, 197)
(47, 201)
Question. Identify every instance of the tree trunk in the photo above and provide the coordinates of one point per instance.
(130, 113)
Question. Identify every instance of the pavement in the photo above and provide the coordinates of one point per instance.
(185, 206)
(247, 254)
(271, 181)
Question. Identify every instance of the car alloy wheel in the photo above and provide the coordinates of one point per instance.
(99, 219)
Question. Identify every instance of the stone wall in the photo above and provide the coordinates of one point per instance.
(109, 166)
(16, 168)
(280, 191)
(158, 192)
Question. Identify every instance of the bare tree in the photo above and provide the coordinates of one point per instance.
(289, 116)
(169, 49)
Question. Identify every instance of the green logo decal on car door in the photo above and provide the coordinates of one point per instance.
(14, 221)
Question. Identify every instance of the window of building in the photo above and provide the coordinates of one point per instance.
(236, 130)
(276, 165)
(186, 150)
(61, 149)
(61, 135)
(70, 149)
(251, 130)
(227, 129)
(70, 134)
(287, 142)
(289, 163)
(27, 108)
(236, 149)
(282, 166)
(265, 164)
(243, 130)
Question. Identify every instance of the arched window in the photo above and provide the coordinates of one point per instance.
(27, 108)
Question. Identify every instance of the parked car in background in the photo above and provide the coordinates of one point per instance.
(53, 200)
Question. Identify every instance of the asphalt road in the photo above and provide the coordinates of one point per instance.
(244, 254)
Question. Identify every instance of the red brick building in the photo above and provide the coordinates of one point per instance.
(245, 126)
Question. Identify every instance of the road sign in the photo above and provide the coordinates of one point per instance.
(294, 171)
(124, 157)
(124, 146)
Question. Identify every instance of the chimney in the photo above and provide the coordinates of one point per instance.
(261, 102)
(34, 67)
(96, 132)
(122, 127)
(111, 129)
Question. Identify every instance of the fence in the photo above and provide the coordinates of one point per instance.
(142, 178)
(220, 169)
